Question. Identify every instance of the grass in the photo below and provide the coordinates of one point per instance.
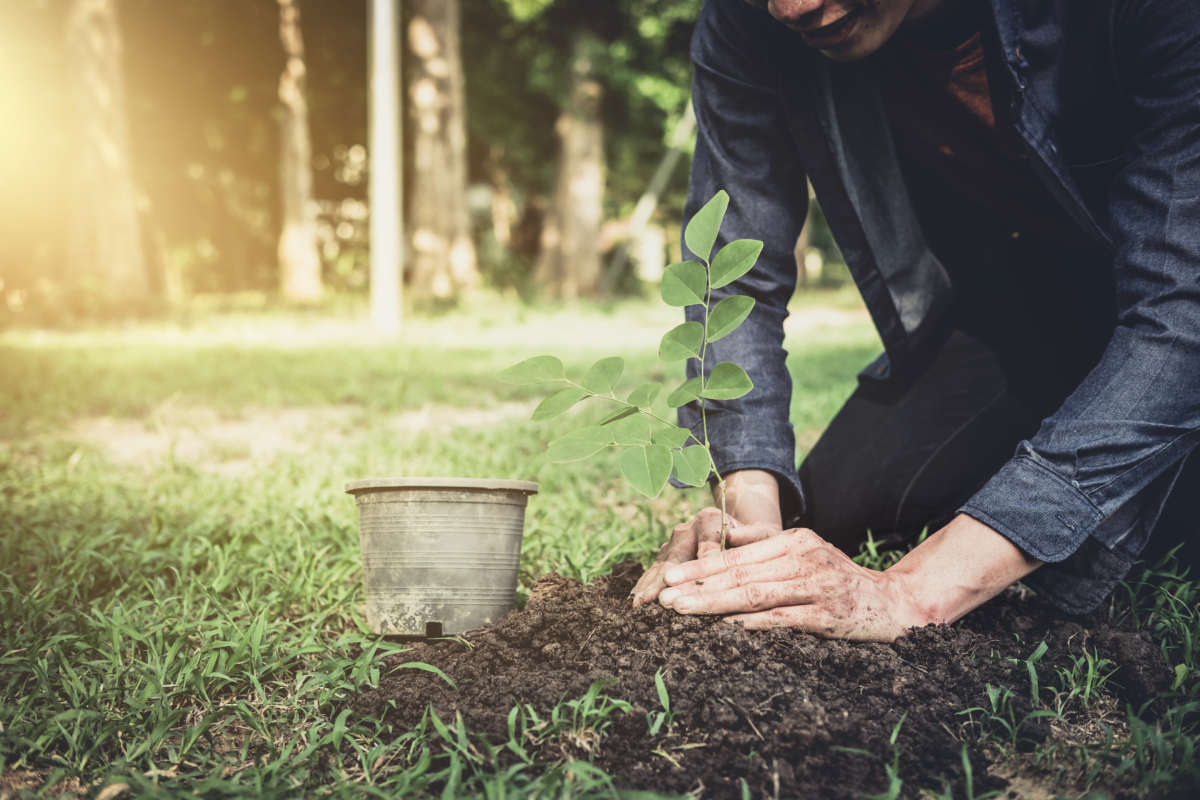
(178, 616)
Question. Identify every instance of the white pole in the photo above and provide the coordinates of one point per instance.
(385, 149)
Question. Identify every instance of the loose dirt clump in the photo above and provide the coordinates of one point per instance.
(777, 713)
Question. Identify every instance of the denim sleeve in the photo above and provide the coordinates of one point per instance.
(743, 147)
(1137, 413)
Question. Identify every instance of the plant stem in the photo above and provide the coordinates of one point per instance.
(721, 489)
(703, 411)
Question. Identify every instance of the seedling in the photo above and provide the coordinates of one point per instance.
(656, 719)
(1083, 679)
(1031, 663)
(1001, 715)
(656, 448)
(580, 723)
(891, 768)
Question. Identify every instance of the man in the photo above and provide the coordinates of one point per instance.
(1015, 187)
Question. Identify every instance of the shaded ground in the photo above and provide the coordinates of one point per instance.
(772, 712)
(238, 444)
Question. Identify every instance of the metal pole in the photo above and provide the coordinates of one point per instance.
(386, 167)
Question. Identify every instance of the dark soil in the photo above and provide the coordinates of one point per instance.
(787, 713)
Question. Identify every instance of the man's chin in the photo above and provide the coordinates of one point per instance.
(859, 41)
(842, 57)
(851, 51)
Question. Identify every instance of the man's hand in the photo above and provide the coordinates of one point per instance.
(696, 538)
(752, 509)
(797, 580)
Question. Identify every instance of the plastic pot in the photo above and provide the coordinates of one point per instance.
(439, 555)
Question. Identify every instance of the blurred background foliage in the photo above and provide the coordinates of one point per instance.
(204, 127)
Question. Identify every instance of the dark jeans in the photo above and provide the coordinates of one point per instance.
(895, 465)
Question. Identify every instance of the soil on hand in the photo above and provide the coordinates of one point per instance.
(777, 713)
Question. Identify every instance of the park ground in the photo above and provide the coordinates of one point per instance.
(180, 594)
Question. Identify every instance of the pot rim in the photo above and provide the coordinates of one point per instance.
(492, 484)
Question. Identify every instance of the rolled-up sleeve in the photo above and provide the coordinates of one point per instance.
(1136, 415)
(743, 147)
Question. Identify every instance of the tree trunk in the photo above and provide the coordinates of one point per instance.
(299, 261)
(105, 241)
(443, 263)
(801, 254)
(569, 265)
(504, 208)
(806, 260)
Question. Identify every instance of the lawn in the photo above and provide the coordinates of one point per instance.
(180, 593)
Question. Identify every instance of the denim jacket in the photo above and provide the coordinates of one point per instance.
(1105, 95)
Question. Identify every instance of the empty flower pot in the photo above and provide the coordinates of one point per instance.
(439, 555)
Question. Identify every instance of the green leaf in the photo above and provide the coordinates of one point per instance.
(687, 391)
(733, 261)
(579, 444)
(672, 437)
(339, 728)
(644, 395)
(701, 232)
(684, 283)
(647, 468)
(661, 687)
(691, 465)
(534, 370)
(558, 402)
(631, 431)
(428, 668)
(727, 315)
(622, 414)
(602, 376)
(682, 341)
(726, 382)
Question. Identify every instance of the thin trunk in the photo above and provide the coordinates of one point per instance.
(443, 253)
(299, 261)
(504, 208)
(801, 255)
(804, 261)
(387, 215)
(569, 265)
(105, 241)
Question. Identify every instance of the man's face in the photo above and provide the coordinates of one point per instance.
(846, 30)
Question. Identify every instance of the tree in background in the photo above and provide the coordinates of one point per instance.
(569, 265)
(105, 252)
(203, 103)
(573, 106)
(443, 253)
(654, 264)
(204, 113)
(299, 261)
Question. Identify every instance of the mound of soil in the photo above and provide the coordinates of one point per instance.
(779, 712)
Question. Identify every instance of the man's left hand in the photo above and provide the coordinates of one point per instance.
(795, 579)
(799, 580)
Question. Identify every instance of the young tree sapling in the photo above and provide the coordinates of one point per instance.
(656, 448)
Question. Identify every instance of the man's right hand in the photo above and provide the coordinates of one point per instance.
(752, 513)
